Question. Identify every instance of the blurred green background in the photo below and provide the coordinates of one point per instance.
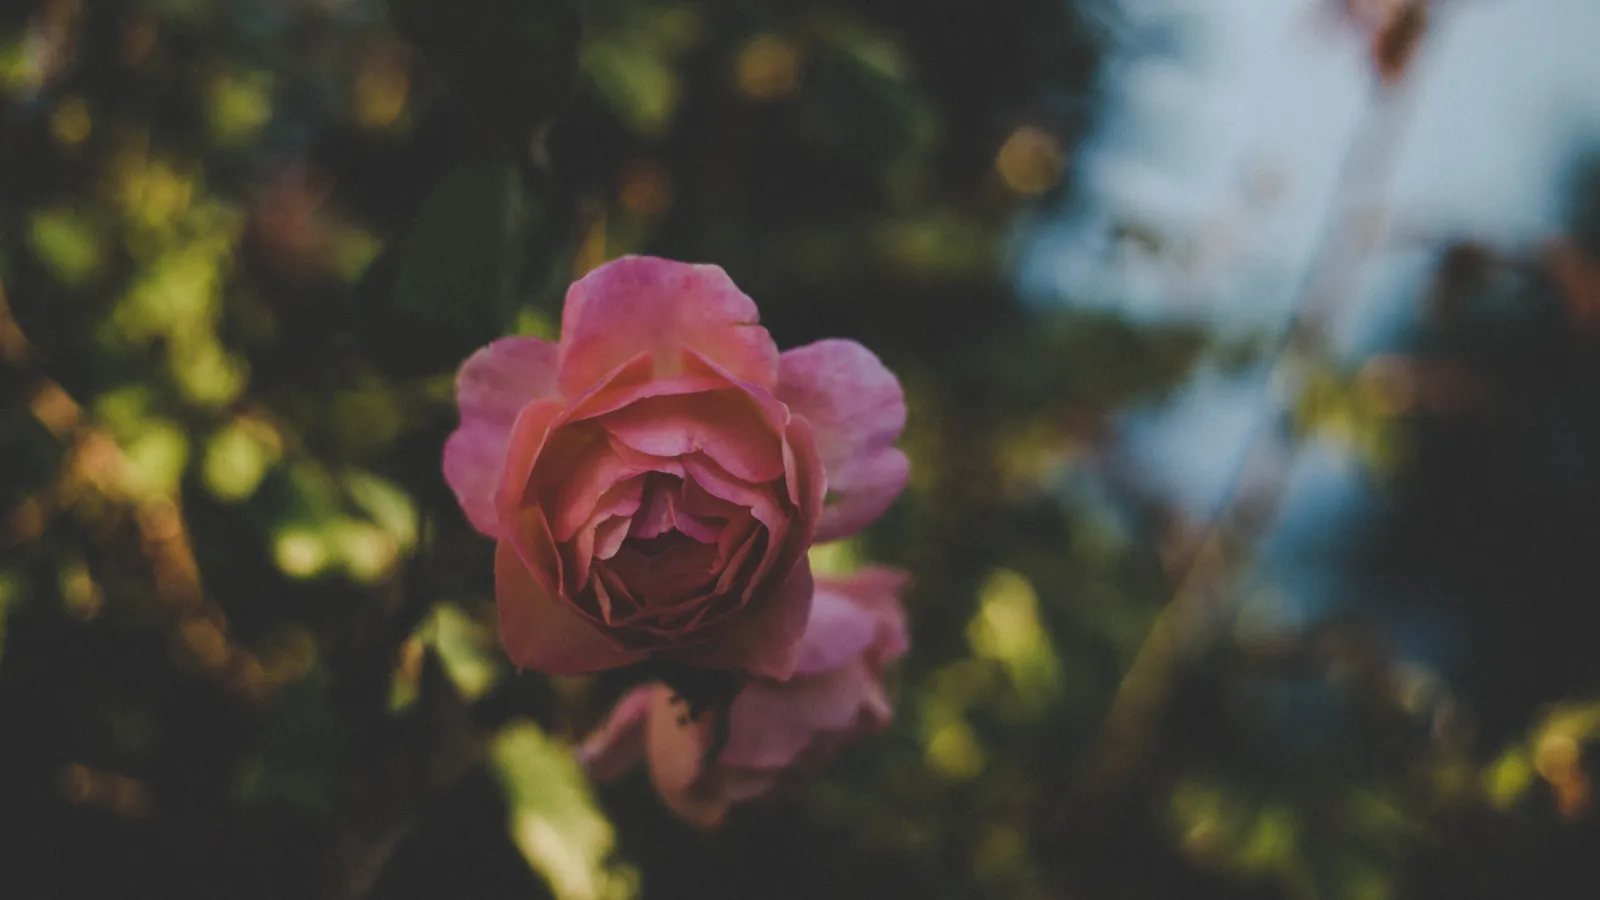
(247, 640)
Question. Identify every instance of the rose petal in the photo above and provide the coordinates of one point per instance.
(857, 411)
(574, 490)
(499, 379)
(837, 633)
(611, 596)
(773, 723)
(681, 569)
(804, 472)
(791, 537)
(803, 477)
(528, 435)
(575, 471)
(761, 500)
(875, 591)
(619, 743)
(723, 425)
(492, 386)
(539, 632)
(635, 381)
(729, 787)
(852, 401)
(532, 542)
(664, 510)
(538, 422)
(474, 460)
(641, 304)
(763, 639)
(609, 537)
(676, 749)
(657, 513)
(604, 532)
(864, 491)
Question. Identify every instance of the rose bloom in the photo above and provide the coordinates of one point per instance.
(778, 730)
(654, 480)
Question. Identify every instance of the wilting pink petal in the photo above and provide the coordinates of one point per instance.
(619, 743)
(491, 388)
(837, 632)
(774, 722)
(778, 729)
(857, 411)
(641, 304)
(875, 590)
(676, 743)
(541, 633)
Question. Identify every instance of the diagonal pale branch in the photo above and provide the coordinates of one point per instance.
(1191, 620)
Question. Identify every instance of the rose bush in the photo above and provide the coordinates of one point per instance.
(778, 730)
(654, 480)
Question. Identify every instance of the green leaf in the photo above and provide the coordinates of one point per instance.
(554, 818)
(453, 282)
(514, 61)
(852, 108)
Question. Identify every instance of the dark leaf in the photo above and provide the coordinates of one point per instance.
(514, 61)
(451, 285)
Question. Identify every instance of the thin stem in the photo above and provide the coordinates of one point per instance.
(1252, 496)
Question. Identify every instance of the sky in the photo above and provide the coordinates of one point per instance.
(1270, 92)
(1222, 129)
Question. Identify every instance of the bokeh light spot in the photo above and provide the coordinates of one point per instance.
(1007, 629)
(237, 458)
(68, 245)
(768, 68)
(70, 123)
(1029, 162)
(299, 552)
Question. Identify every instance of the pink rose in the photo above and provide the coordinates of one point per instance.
(778, 730)
(655, 479)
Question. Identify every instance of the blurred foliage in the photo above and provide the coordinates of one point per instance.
(246, 638)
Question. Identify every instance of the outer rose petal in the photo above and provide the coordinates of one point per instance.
(644, 304)
(474, 458)
(492, 385)
(862, 492)
(875, 591)
(539, 632)
(857, 410)
(837, 632)
(498, 380)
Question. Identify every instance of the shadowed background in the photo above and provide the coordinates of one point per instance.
(1252, 353)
